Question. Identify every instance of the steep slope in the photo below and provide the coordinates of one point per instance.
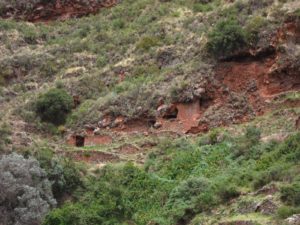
(161, 101)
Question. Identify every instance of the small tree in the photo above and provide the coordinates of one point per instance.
(25, 192)
(226, 37)
(54, 106)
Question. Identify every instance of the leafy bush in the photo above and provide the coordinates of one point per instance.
(25, 196)
(102, 205)
(252, 29)
(247, 144)
(62, 173)
(291, 194)
(148, 42)
(275, 173)
(119, 194)
(287, 211)
(5, 133)
(226, 38)
(190, 196)
(54, 106)
(227, 192)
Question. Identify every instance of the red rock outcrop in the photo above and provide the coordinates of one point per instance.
(44, 11)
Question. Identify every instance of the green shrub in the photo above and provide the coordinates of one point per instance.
(247, 145)
(54, 106)
(199, 7)
(102, 204)
(291, 194)
(253, 134)
(148, 42)
(194, 195)
(5, 133)
(287, 211)
(290, 149)
(213, 136)
(226, 38)
(275, 173)
(252, 29)
(62, 173)
(228, 192)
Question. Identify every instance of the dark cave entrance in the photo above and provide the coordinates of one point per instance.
(171, 114)
(79, 141)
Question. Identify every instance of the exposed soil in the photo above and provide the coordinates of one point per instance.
(244, 86)
(46, 11)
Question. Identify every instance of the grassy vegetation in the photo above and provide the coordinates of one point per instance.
(146, 39)
(124, 61)
(182, 179)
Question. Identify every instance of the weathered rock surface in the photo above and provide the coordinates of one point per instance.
(293, 220)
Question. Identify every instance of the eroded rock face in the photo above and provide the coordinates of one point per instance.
(293, 220)
(43, 11)
(267, 207)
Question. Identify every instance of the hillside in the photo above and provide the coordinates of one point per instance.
(152, 112)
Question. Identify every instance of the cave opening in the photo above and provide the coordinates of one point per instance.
(79, 141)
(205, 102)
(171, 114)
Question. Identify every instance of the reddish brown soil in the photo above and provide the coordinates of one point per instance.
(243, 86)
(60, 10)
(257, 77)
(187, 117)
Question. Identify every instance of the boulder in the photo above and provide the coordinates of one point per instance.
(267, 207)
(157, 125)
(199, 92)
(119, 121)
(161, 110)
(293, 220)
(104, 122)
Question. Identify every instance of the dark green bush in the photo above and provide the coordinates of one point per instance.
(247, 144)
(287, 211)
(228, 192)
(253, 27)
(191, 196)
(291, 194)
(103, 204)
(148, 42)
(54, 106)
(226, 38)
(290, 149)
(275, 173)
(63, 174)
